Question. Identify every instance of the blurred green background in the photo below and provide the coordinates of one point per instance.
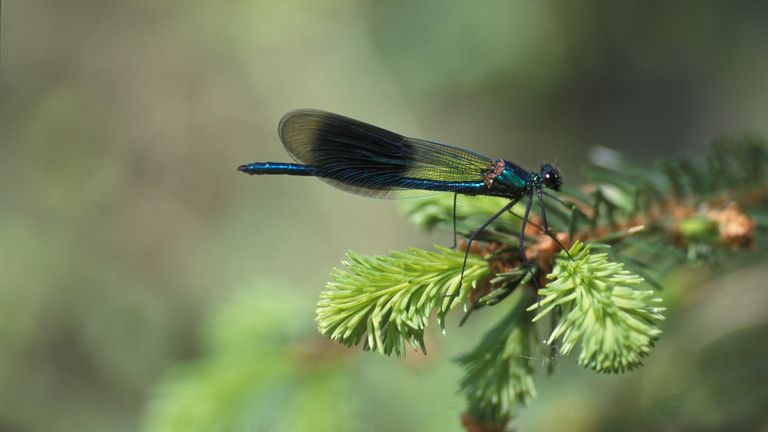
(145, 284)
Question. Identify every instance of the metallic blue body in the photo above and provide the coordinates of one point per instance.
(513, 182)
(466, 188)
(278, 168)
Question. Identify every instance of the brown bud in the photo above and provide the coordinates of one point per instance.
(737, 230)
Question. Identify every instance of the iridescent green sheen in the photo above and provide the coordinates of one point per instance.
(513, 182)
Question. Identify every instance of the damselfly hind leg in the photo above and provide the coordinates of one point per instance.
(455, 197)
(472, 238)
(521, 241)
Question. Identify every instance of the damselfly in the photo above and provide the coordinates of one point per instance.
(364, 159)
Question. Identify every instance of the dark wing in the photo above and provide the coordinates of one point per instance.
(367, 160)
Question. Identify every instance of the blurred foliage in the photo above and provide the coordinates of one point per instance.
(498, 373)
(122, 218)
(261, 371)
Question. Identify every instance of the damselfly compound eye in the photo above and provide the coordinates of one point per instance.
(551, 177)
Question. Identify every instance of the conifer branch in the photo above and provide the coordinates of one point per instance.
(644, 223)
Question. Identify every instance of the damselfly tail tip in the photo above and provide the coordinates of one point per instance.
(245, 169)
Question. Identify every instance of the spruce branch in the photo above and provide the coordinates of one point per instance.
(386, 301)
(643, 223)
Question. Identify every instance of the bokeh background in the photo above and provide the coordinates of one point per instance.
(147, 285)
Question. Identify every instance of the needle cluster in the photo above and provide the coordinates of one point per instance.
(385, 302)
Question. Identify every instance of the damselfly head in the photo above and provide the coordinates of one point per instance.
(551, 177)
